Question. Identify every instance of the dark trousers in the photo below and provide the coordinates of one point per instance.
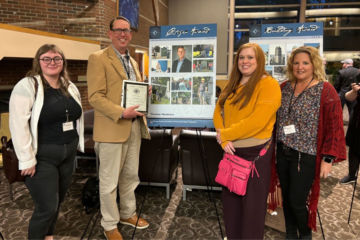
(295, 187)
(350, 105)
(49, 185)
(245, 215)
(354, 161)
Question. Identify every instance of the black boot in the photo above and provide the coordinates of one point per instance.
(306, 237)
(291, 236)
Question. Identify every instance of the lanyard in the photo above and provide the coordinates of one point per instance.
(124, 65)
(63, 103)
(292, 105)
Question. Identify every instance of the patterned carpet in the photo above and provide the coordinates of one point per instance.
(194, 218)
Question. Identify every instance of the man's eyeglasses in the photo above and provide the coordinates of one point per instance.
(118, 31)
(48, 60)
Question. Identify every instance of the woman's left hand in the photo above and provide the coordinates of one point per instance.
(229, 148)
(218, 138)
(325, 169)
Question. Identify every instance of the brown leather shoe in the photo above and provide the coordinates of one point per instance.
(113, 234)
(132, 221)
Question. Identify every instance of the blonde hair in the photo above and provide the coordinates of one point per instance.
(36, 68)
(236, 75)
(315, 58)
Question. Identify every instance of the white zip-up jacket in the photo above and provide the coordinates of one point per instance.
(22, 106)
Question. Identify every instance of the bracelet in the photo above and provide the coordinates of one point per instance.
(121, 116)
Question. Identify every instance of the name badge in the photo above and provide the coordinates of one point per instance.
(289, 129)
(68, 126)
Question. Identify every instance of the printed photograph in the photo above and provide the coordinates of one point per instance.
(277, 54)
(203, 65)
(181, 57)
(181, 84)
(280, 73)
(290, 47)
(202, 93)
(161, 52)
(160, 94)
(163, 81)
(160, 66)
(203, 51)
(265, 48)
(315, 45)
(181, 98)
(269, 69)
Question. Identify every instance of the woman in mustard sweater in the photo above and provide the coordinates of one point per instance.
(244, 118)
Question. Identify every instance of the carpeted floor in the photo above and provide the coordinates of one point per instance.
(194, 218)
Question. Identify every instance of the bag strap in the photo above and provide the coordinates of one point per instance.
(264, 150)
(262, 153)
(4, 141)
(36, 86)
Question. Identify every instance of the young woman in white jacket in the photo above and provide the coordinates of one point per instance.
(46, 129)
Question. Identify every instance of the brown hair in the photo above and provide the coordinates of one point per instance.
(36, 68)
(315, 58)
(119, 18)
(236, 75)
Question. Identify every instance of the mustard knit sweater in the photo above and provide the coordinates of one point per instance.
(256, 119)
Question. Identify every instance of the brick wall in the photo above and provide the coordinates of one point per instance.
(13, 70)
(88, 19)
(72, 18)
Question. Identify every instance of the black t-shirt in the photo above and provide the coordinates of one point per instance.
(53, 115)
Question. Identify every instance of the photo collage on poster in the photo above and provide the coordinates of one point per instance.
(277, 55)
(186, 82)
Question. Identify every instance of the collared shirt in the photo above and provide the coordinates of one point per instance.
(125, 61)
(180, 63)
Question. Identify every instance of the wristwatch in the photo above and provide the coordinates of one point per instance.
(328, 159)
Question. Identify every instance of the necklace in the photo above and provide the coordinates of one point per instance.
(298, 97)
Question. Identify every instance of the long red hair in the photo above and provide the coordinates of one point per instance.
(236, 75)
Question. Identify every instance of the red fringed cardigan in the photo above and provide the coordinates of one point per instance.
(330, 141)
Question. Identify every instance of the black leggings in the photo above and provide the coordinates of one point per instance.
(295, 187)
(49, 185)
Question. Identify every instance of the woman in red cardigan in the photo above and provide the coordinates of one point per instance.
(310, 136)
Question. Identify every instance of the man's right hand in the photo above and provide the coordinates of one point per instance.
(130, 112)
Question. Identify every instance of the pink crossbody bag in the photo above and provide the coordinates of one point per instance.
(234, 171)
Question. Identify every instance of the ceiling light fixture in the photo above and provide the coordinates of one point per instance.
(331, 22)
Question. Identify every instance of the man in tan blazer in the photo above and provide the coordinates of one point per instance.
(117, 131)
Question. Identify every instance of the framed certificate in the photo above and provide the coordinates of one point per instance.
(136, 93)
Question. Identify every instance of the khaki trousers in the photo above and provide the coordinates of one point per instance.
(119, 166)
